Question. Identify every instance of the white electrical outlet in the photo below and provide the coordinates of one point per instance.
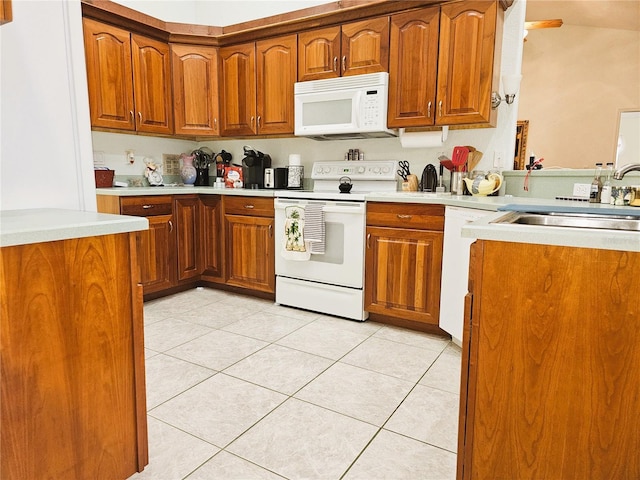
(131, 158)
(581, 190)
(498, 159)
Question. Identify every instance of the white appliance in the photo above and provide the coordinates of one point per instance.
(455, 269)
(332, 282)
(343, 108)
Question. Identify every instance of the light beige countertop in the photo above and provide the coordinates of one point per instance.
(482, 229)
(22, 227)
(178, 190)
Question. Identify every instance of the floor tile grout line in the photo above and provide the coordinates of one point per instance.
(292, 395)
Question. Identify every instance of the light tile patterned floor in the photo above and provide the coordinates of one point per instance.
(240, 389)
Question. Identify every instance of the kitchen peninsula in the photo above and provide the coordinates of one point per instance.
(72, 353)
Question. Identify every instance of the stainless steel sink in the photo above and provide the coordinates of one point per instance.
(579, 220)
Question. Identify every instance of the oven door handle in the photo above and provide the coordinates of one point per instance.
(354, 210)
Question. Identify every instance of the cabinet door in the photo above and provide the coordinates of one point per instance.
(238, 90)
(186, 211)
(6, 11)
(277, 72)
(250, 247)
(211, 222)
(413, 68)
(365, 47)
(402, 273)
(318, 52)
(551, 348)
(71, 323)
(466, 63)
(109, 73)
(152, 85)
(156, 253)
(195, 89)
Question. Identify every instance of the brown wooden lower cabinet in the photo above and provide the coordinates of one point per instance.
(403, 261)
(550, 382)
(212, 238)
(186, 211)
(72, 360)
(249, 242)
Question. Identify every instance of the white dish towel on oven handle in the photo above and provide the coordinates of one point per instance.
(314, 227)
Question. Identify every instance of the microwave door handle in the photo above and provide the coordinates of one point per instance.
(357, 112)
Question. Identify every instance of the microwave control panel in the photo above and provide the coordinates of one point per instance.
(371, 108)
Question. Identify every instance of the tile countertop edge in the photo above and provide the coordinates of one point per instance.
(23, 227)
(483, 229)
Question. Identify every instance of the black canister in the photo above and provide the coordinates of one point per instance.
(202, 177)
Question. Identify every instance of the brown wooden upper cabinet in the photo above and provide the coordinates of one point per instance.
(466, 70)
(256, 87)
(441, 68)
(129, 79)
(195, 89)
(413, 67)
(352, 49)
(6, 11)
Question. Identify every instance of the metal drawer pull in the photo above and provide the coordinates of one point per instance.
(170, 226)
(368, 240)
(429, 109)
(249, 206)
(405, 217)
(270, 231)
(335, 64)
(215, 124)
(131, 113)
(252, 120)
(344, 63)
(140, 116)
(259, 117)
(147, 206)
(440, 108)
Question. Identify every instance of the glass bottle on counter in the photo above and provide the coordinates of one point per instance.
(605, 195)
(596, 185)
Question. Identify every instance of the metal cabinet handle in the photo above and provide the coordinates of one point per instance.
(252, 120)
(368, 241)
(170, 226)
(404, 217)
(429, 109)
(215, 124)
(259, 117)
(344, 63)
(270, 231)
(440, 108)
(335, 64)
(249, 206)
(147, 206)
(140, 116)
(131, 114)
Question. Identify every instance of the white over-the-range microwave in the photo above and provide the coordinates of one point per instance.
(343, 108)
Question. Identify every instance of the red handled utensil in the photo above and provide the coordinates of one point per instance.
(460, 155)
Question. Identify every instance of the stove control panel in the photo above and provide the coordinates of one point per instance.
(360, 170)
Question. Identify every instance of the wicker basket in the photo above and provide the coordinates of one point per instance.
(104, 178)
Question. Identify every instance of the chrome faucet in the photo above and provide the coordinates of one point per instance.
(622, 171)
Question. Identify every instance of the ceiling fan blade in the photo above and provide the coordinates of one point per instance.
(543, 24)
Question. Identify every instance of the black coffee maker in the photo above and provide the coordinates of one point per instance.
(253, 165)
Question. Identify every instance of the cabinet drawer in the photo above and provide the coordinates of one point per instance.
(406, 215)
(252, 206)
(146, 206)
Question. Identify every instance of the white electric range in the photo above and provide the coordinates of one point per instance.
(331, 282)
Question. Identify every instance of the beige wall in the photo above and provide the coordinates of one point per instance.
(574, 81)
